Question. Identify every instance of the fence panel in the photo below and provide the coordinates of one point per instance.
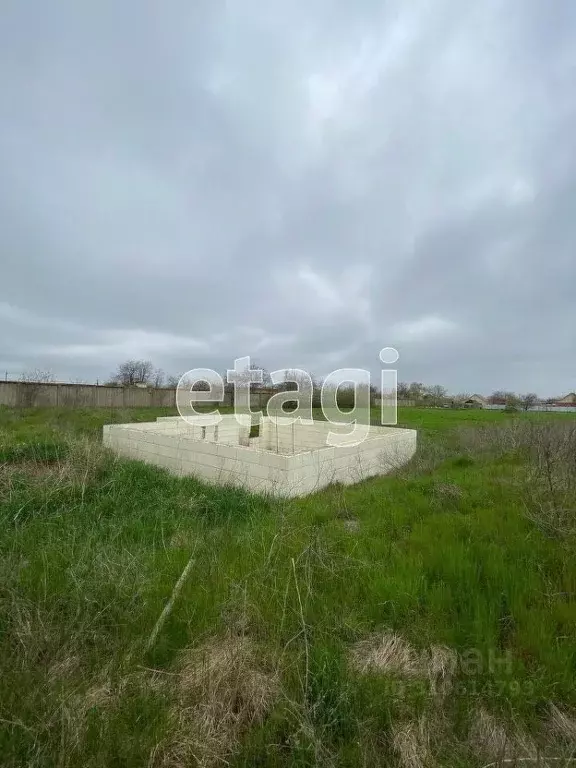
(23, 394)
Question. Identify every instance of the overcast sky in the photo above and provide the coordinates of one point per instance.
(304, 182)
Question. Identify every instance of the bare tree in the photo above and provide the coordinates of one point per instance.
(503, 397)
(157, 378)
(266, 379)
(512, 400)
(190, 384)
(133, 372)
(294, 379)
(416, 390)
(459, 399)
(436, 394)
(403, 390)
(245, 377)
(33, 381)
(37, 377)
(172, 381)
(506, 398)
(528, 400)
(201, 386)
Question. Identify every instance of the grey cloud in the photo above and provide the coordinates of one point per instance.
(301, 182)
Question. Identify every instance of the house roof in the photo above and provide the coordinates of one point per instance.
(475, 398)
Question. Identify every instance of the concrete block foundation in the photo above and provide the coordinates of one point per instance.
(285, 459)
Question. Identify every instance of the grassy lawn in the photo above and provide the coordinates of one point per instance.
(426, 618)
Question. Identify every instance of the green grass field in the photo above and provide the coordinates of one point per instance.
(426, 618)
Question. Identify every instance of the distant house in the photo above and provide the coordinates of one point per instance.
(475, 401)
(569, 399)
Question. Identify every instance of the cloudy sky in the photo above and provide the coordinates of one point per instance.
(302, 182)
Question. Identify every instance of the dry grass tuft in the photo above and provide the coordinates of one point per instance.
(223, 688)
(71, 714)
(444, 492)
(411, 741)
(63, 670)
(228, 670)
(98, 696)
(388, 653)
(80, 466)
(182, 539)
(352, 525)
(430, 454)
(563, 725)
(33, 470)
(442, 664)
(489, 737)
(494, 741)
(101, 693)
(391, 654)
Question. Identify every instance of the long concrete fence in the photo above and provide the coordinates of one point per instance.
(24, 394)
(20, 394)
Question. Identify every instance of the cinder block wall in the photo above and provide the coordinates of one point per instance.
(170, 443)
(347, 465)
(296, 437)
(173, 449)
(228, 430)
(277, 437)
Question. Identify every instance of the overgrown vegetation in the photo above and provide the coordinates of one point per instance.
(421, 619)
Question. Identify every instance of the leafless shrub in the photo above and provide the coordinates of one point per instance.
(37, 376)
(547, 474)
(33, 382)
(551, 478)
(446, 492)
(493, 439)
(429, 454)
